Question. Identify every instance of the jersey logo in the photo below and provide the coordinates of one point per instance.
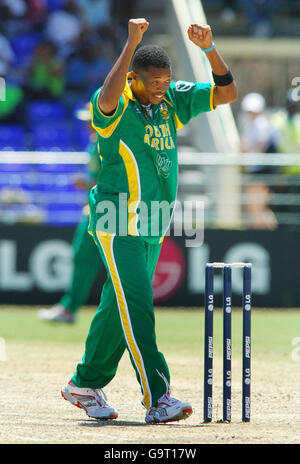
(164, 111)
(163, 165)
(182, 86)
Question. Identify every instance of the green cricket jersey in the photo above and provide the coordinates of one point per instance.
(94, 161)
(138, 152)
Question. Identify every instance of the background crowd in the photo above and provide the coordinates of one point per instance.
(259, 13)
(53, 55)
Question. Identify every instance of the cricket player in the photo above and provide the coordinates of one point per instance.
(136, 116)
(86, 260)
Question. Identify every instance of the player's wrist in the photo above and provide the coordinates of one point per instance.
(132, 43)
(209, 48)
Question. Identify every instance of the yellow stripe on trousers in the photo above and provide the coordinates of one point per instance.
(106, 241)
(134, 186)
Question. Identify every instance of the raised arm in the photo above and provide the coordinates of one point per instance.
(115, 81)
(225, 91)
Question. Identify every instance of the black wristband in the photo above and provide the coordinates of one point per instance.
(223, 80)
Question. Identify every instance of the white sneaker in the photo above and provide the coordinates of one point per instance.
(56, 314)
(91, 400)
(168, 409)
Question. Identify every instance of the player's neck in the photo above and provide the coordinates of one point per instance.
(139, 93)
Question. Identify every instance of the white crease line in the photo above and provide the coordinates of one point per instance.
(108, 437)
(18, 437)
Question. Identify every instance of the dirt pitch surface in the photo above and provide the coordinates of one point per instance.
(33, 412)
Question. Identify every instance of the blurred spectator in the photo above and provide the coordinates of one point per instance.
(294, 7)
(120, 14)
(259, 215)
(86, 263)
(87, 69)
(63, 28)
(257, 136)
(7, 55)
(16, 205)
(13, 14)
(229, 9)
(260, 13)
(12, 108)
(46, 75)
(287, 125)
(16, 7)
(108, 18)
(36, 14)
(95, 13)
(257, 133)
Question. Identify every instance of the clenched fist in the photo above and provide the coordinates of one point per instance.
(136, 29)
(201, 35)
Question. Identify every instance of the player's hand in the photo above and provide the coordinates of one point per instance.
(200, 35)
(136, 29)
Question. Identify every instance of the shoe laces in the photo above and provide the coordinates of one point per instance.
(167, 400)
(168, 389)
(101, 397)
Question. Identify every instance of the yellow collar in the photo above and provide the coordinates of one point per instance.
(127, 90)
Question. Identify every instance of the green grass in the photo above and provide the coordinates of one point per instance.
(177, 329)
(272, 331)
(22, 324)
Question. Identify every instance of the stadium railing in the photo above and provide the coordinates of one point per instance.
(39, 187)
(236, 186)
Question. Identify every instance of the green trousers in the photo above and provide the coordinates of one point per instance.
(125, 319)
(86, 266)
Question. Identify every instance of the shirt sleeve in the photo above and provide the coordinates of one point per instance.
(103, 123)
(190, 99)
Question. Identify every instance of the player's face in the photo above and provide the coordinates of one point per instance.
(151, 85)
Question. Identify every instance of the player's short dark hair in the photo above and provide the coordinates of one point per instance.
(150, 55)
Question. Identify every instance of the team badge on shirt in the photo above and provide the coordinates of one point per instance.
(164, 111)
